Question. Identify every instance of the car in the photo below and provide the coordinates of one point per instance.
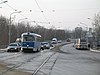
(45, 45)
(59, 41)
(14, 47)
(54, 41)
(97, 44)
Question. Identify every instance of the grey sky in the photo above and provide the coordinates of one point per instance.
(65, 14)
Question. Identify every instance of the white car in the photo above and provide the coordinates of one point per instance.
(45, 45)
(14, 47)
(54, 41)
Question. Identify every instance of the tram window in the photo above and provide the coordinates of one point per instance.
(28, 38)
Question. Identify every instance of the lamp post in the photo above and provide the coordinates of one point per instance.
(28, 23)
(86, 26)
(3, 2)
(10, 21)
(22, 19)
(90, 19)
(94, 32)
(18, 25)
(86, 33)
(94, 25)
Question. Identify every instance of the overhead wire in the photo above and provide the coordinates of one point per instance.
(25, 16)
(38, 5)
(41, 9)
(14, 9)
(9, 6)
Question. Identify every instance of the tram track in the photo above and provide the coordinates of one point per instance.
(10, 57)
(18, 65)
(12, 68)
(2, 55)
(31, 59)
(56, 50)
(38, 69)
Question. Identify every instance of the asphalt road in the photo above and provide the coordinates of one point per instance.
(76, 62)
(68, 61)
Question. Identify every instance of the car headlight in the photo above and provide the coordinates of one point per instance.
(15, 48)
(41, 45)
(7, 47)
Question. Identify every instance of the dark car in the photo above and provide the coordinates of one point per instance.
(14, 47)
(97, 44)
(45, 45)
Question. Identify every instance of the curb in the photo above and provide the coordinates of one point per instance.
(94, 50)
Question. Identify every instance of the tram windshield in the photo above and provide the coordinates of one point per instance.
(28, 38)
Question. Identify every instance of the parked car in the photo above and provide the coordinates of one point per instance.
(45, 45)
(14, 47)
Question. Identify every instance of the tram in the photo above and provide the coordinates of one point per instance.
(30, 42)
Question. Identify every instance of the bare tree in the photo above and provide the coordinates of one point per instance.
(3, 31)
(18, 28)
(96, 23)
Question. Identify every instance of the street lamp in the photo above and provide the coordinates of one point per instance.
(86, 26)
(18, 25)
(14, 13)
(88, 33)
(94, 32)
(83, 23)
(94, 21)
(28, 23)
(22, 19)
(90, 19)
(10, 21)
(3, 2)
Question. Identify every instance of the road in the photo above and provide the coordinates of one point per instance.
(77, 62)
(68, 61)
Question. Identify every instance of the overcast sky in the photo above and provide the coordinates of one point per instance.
(64, 14)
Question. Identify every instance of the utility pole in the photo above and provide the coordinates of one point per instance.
(10, 22)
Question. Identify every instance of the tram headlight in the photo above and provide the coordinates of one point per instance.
(27, 45)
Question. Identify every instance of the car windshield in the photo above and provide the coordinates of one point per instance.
(13, 45)
(82, 40)
(44, 43)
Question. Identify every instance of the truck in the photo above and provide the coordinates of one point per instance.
(82, 44)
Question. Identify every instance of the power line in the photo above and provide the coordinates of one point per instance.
(38, 6)
(9, 6)
(13, 8)
(22, 14)
(41, 10)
